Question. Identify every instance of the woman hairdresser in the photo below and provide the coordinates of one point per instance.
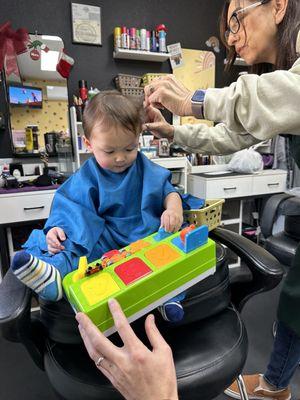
(266, 35)
(254, 108)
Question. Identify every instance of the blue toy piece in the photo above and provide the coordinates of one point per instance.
(193, 239)
(161, 234)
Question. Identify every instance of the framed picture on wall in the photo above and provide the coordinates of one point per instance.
(86, 24)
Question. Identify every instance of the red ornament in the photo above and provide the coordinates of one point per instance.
(161, 27)
(35, 54)
(45, 48)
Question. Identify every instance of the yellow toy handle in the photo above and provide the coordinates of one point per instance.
(82, 266)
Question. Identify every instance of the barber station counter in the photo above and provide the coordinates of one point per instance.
(21, 205)
(25, 204)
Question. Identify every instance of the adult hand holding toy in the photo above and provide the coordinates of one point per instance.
(133, 369)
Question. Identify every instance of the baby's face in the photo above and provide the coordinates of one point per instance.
(114, 148)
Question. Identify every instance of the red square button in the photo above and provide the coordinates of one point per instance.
(132, 270)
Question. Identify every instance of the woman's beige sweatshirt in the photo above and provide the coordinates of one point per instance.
(250, 110)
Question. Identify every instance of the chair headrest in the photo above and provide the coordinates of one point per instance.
(291, 206)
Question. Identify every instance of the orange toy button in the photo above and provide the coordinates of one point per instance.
(138, 245)
(162, 255)
(132, 270)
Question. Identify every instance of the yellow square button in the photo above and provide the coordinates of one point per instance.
(99, 287)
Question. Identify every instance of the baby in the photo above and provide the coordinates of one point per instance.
(117, 197)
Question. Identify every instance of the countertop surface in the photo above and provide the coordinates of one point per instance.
(27, 189)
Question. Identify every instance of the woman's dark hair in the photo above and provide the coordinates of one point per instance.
(110, 107)
(286, 39)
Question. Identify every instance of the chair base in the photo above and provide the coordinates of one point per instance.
(208, 356)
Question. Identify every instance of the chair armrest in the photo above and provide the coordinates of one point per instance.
(266, 269)
(17, 324)
(14, 307)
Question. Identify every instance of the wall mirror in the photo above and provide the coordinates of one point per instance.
(38, 100)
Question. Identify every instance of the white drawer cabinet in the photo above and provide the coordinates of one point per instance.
(270, 183)
(226, 187)
(28, 206)
(20, 207)
(204, 184)
(220, 188)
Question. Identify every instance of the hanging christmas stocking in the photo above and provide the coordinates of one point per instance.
(64, 64)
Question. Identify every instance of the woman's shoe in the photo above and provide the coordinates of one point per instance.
(255, 389)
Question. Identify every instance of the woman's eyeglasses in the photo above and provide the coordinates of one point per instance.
(234, 21)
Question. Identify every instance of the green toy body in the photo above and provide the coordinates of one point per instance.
(157, 270)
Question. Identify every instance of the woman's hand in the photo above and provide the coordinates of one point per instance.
(54, 238)
(137, 372)
(157, 124)
(167, 92)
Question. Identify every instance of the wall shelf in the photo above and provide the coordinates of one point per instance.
(140, 55)
(32, 155)
(171, 162)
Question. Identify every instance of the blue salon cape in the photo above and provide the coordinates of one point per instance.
(100, 210)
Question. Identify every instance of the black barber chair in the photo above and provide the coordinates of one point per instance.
(209, 347)
(283, 244)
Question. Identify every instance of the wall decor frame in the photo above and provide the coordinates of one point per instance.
(86, 24)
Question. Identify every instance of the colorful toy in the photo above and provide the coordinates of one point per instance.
(113, 256)
(185, 231)
(92, 269)
(154, 270)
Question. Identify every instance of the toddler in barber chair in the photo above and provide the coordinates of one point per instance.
(117, 197)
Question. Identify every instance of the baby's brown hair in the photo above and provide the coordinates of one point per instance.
(111, 107)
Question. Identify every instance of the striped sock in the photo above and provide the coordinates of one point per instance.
(40, 276)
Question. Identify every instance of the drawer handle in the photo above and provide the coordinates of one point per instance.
(273, 184)
(230, 188)
(33, 208)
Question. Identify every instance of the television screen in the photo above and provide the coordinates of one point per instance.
(25, 96)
